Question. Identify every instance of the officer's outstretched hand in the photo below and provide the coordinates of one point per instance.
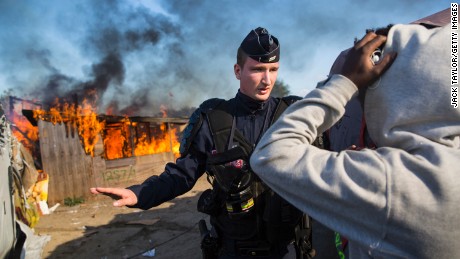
(358, 66)
(123, 197)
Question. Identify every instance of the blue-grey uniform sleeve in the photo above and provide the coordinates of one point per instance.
(179, 177)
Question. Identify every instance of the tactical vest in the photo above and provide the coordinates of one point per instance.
(238, 195)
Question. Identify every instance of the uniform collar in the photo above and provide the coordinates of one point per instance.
(250, 104)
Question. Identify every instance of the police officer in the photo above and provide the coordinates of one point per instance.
(247, 218)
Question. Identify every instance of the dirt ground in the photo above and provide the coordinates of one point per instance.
(96, 229)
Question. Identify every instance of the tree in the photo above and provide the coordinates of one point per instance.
(280, 89)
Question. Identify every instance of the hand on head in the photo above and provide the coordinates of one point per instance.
(123, 197)
(358, 66)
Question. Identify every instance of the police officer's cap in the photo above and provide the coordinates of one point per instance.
(261, 46)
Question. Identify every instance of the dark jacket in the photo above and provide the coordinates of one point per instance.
(252, 120)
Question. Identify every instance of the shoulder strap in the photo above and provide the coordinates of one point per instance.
(194, 124)
(210, 104)
(220, 122)
(220, 118)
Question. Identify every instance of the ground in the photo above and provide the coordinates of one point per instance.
(96, 229)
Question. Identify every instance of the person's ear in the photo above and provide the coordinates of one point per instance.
(237, 71)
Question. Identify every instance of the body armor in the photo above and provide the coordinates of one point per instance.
(240, 204)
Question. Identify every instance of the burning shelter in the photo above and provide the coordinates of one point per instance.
(78, 149)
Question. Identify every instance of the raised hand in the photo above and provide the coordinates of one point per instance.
(358, 66)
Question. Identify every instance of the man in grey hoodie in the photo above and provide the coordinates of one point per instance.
(401, 200)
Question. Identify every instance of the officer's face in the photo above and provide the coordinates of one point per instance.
(257, 79)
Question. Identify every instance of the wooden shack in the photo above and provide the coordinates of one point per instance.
(72, 171)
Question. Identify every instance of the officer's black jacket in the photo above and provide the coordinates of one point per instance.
(252, 119)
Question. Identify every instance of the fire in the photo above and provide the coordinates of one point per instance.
(81, 117)
(122, 138)
(159, 144)
(116, 140)
(89, 127)
(22, 129)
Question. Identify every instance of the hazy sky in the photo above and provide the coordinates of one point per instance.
(141, 54)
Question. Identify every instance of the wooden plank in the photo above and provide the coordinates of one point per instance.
(63, 158)
(47, 156)
(76, 167)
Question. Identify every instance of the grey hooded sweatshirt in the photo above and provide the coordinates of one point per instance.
(401, 200)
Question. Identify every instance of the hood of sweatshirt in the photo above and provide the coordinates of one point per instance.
(410, 105)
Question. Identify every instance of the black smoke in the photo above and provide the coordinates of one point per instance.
(129, 57)
(113, 34)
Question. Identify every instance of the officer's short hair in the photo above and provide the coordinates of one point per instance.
(241, 57)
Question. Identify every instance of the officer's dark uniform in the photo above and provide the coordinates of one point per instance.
(247, 233)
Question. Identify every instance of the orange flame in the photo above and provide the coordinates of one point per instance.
(22, 129)
(122, 139)
(89, 127)
(116, 140)
(159, 144)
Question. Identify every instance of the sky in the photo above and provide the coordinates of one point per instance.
(136, 57)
